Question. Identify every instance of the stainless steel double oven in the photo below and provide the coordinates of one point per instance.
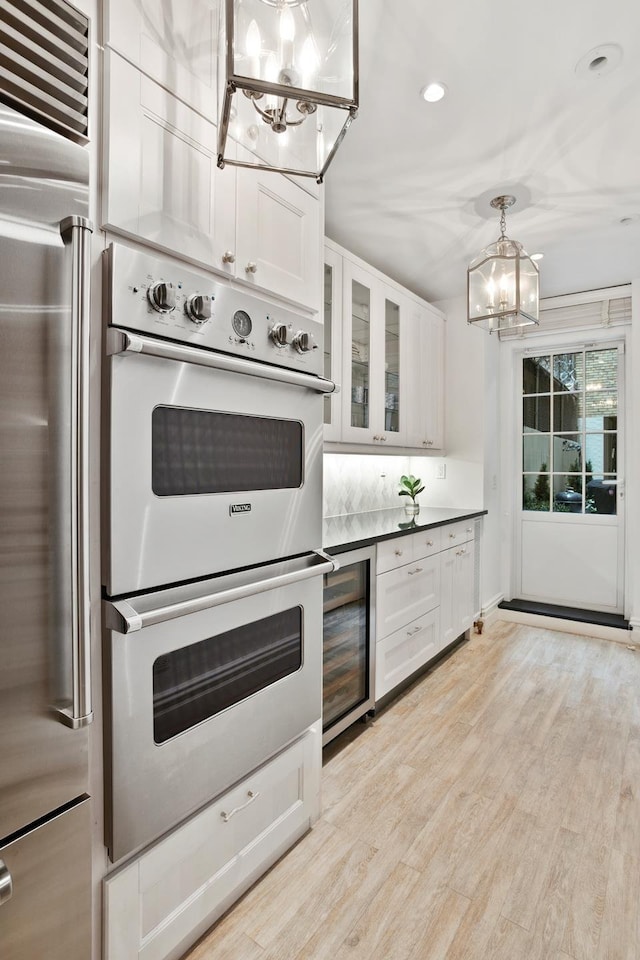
(212, 534)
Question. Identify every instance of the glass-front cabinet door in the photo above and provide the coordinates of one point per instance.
(332, 311)
(373, 318)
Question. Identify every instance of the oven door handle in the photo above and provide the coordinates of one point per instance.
(136, 613)
(123, 341)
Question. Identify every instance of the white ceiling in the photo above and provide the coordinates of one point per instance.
(409, 187)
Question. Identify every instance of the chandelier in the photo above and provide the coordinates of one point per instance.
(290, 87)
(502, 282)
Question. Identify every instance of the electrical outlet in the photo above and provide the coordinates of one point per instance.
(441, 471)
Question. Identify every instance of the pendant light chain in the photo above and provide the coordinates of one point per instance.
(503, 223)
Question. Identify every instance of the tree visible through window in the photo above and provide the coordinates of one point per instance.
(570, 431)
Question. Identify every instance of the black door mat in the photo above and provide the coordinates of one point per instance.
(566, 613)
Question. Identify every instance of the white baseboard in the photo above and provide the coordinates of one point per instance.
(570, 626)
(490, 608)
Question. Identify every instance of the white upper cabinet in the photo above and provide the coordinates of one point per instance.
(162, 183)
(424, 364)
(173, 41)
(163, 186)
(278, 236)
(392, 348)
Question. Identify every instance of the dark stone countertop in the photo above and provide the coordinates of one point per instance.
(355, 530)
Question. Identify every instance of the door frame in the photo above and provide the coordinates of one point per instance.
(511, 355)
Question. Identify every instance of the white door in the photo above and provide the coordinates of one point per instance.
(571, 548)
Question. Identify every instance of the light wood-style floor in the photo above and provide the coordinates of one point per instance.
(491, 813)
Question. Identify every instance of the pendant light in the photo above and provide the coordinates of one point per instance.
(502, 282)
(290, 87)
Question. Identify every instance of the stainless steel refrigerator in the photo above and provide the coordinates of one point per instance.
(45, 697)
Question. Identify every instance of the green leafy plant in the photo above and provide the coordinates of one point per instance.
(410, 487)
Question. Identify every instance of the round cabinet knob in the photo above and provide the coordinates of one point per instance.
(162, 296)
(304, 342)
(278, 334)
(199, 308)
(228, 256)
(251, 267)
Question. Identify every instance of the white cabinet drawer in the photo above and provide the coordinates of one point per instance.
(426, 543)
(404, 594)
(455, 533)
(161, 903)
(403, 652)
(393, 553)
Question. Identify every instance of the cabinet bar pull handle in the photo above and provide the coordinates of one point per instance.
(6, 884)
(417, 570)
(251, 267)
(251, 794)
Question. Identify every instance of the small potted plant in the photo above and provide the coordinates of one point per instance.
(410, 487)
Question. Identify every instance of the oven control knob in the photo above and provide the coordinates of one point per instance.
(304, 342)
(198, 307)
(162, 296)
(278, 334)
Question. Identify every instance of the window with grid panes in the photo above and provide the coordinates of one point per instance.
(569, 431)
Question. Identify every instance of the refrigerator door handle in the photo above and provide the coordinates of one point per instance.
(6, 884)
(76, 232)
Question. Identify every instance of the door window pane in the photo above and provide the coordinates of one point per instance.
(536, 491)
(360, 347)
(602, 410)
(567, 452)
(535, 452)
(601, 452)
(194, 683)
(568, 372)
(567, 493)
(568, 412)
(536, 376)
(391, 366)
(536, 414)
(602, 495)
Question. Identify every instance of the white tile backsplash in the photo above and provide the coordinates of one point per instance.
(358, 483)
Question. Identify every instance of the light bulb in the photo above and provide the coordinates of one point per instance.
(287, 25)
(271, 69)
(309, 61)
(253, 44)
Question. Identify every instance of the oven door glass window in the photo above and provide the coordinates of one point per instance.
(205, 451)
(196, 682)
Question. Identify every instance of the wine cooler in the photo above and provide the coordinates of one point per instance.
(348, 642)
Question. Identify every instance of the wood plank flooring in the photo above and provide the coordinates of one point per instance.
(490, 813)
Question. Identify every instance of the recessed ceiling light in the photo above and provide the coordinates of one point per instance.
(537, 256)
(600, 61)
(434, 91)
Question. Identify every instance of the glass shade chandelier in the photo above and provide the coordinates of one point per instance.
(502, 282)
(290, 86)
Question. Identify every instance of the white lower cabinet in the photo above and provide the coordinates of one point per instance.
(406, 593)
(457, 590)
(162, 902)
(403, 652)
(425, 598)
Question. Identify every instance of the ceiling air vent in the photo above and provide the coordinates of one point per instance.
(44, 63)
